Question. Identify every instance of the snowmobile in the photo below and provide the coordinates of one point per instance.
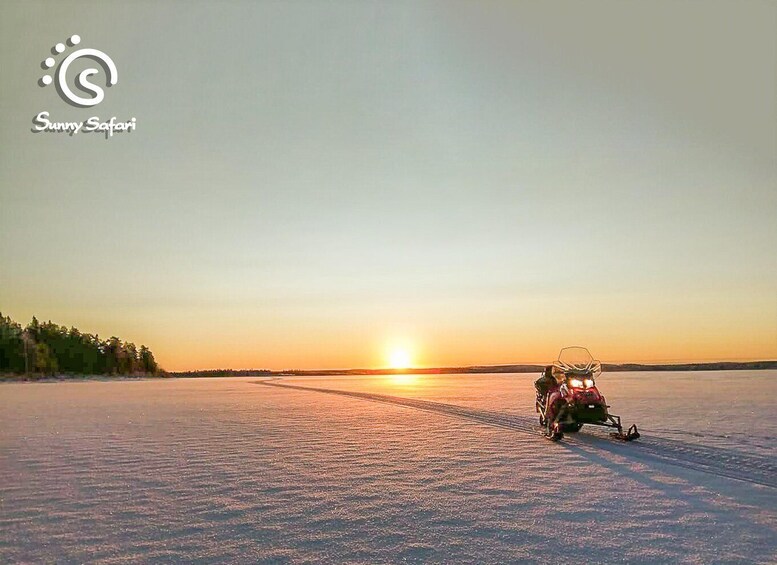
(573, 399)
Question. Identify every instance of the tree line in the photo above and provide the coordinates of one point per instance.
(49, 349)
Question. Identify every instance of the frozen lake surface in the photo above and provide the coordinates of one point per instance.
(392, 469)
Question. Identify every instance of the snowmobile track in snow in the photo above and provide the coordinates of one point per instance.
(715, 461)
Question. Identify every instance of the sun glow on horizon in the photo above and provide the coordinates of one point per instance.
(399, 359)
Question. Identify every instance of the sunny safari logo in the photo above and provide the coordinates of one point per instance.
(90, 93)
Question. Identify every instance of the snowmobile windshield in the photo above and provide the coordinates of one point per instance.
(576, 361)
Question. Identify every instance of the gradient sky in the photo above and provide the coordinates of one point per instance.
(313, 184)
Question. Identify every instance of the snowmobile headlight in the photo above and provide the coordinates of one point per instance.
(588, 383)
(575, 383)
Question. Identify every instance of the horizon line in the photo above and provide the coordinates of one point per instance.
(464, 368)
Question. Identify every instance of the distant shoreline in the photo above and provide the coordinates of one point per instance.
(479, 369)
(472, 370)
(33, 378)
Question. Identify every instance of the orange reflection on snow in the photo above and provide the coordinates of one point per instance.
(403, 379)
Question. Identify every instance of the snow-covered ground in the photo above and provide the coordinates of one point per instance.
(397, 469)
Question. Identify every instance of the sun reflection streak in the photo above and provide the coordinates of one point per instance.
(404, 379)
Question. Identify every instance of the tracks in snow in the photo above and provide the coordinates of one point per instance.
(712, 460)
(496, 419)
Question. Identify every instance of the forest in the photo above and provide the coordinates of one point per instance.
(47, 349)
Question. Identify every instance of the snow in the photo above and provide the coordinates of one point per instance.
(437, 468)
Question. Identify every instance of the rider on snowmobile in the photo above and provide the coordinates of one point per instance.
(548, 386)
(546, 383)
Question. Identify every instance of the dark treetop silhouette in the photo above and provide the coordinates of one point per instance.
(48, 349)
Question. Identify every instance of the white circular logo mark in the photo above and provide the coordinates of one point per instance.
(82, 80)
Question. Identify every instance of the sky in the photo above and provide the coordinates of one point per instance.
(323, 184)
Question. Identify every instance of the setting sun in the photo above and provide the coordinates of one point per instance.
(399, 359)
